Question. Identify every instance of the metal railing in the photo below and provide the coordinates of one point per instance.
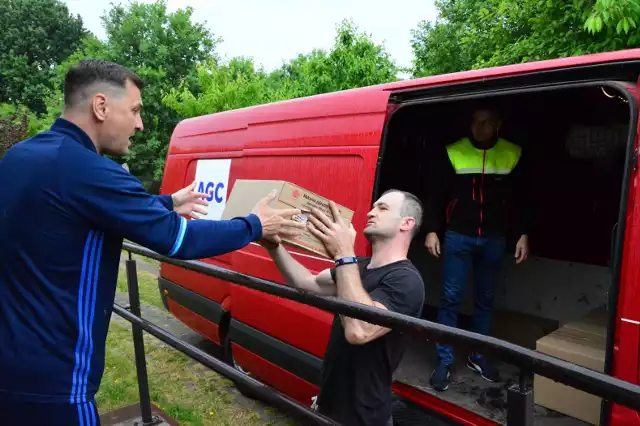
(519, 398)
(138, 324)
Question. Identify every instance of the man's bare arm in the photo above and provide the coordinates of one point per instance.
(357, 332)
(300, 277)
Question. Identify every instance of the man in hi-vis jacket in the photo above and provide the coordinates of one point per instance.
(476, 195)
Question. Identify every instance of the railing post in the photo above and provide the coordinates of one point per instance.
(520, 403)
(138, 345)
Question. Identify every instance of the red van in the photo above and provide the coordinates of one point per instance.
(576, 120)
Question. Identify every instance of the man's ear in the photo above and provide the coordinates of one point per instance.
(100, 106)
(407, 223)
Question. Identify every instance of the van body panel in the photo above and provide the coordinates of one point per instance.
(347, 176)
(330, 144)
(451, 411)
(626, 359)
(199, 312)
(207, 329)
(576, 62)
(297, 122)
(287, 357)
(278, 378)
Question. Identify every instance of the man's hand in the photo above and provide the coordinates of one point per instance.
(187, 202)
(338, 237)
(432, 243)
(275, 222)
(522, 249)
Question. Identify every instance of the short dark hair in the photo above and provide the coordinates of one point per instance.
(95, 71)
(495, 112)
(412, 207)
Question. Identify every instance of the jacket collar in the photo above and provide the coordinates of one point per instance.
(484, 146)
(71, 129)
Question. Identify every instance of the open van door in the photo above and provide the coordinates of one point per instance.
(623, 346)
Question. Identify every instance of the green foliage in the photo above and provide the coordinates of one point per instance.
(353, 61)
(234, 85)
(163, 49)
(618, 14)
(472, 34)
(13, 129)
(36, 36)
(184, 77)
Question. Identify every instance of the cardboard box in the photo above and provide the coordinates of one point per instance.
(246, 193)
(595, 322)
(581, 342)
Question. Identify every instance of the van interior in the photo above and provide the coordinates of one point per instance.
(576, 142)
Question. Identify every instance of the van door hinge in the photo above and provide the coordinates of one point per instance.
(635, 160)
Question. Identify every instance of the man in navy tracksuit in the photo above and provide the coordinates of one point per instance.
(64, 211)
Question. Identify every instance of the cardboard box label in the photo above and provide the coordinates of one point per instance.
(246, 193)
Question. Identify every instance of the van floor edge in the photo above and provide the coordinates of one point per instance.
(467, 389)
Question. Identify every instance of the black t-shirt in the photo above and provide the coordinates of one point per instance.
(356, 379)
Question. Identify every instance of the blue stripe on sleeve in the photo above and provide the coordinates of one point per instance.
(180, 237)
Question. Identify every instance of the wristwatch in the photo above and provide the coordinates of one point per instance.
(346, 261)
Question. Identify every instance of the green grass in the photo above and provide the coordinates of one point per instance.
(186, 391)
(125, 255)
(147, 285)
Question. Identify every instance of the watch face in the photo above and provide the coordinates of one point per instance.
(302, 217)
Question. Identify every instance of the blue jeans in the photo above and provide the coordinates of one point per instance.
(459, 253)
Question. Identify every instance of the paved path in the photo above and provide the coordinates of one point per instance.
(269, 415)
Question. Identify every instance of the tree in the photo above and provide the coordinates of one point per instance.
(472, 34)
(164, 49)
(353, 61)
(621, 14)
(224, 87)
(14, 126)
(36, 36)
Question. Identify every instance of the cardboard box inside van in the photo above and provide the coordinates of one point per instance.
(582, 342)
(246, 193)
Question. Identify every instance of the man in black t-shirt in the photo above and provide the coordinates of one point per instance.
(360, 358)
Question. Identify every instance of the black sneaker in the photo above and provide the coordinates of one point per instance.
(440, 378)
(484, 367)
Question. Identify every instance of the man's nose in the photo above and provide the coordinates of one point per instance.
(139, 125)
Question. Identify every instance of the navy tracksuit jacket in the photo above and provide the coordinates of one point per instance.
(64, 211)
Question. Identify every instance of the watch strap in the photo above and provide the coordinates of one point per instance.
(346, 261)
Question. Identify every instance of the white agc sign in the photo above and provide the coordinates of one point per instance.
(212, 177)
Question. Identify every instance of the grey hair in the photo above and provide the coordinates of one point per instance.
(411, 207)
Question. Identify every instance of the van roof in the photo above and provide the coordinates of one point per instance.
(317, 105)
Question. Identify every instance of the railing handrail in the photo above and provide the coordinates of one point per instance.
(576, 376)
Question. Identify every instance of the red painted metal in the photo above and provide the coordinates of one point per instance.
(279, 379)
(330, 144)
(623, 416)
(439, 406)
(626, 361)
(211, 288)
(202, 326)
